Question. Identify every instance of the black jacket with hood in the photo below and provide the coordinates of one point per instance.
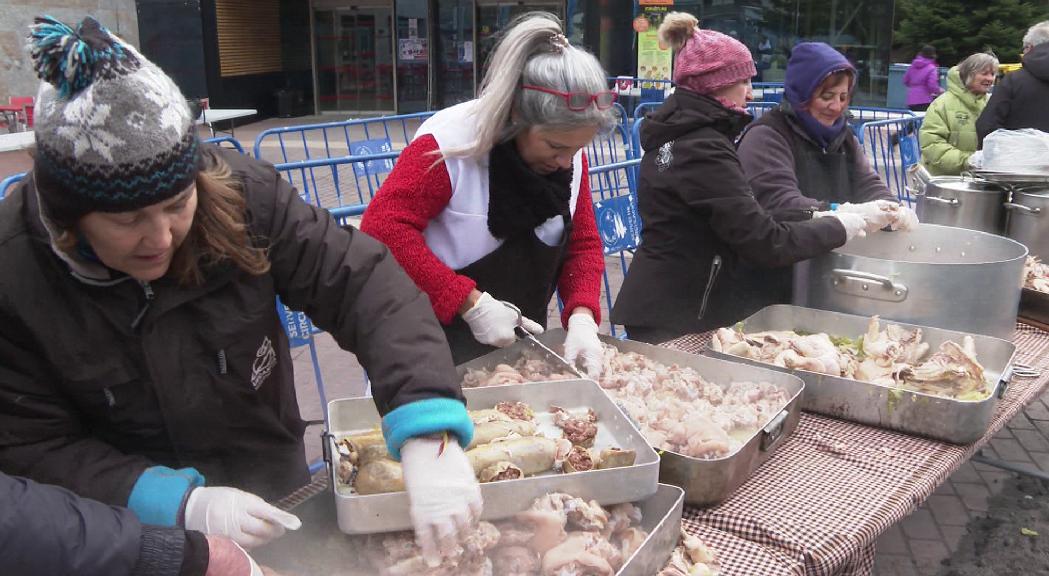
(699, 219)
(1020, 100)
(99, 382)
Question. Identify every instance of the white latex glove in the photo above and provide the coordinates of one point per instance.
(582, 343)
(877, 213)
(244, 517)
(975, 159)
(906, 220)
(227, 558)
(444, 494)
(493, 321)
(855, 225)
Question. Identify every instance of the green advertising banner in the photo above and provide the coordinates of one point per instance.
(653, 60)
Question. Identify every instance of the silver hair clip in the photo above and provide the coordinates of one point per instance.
(559, 43)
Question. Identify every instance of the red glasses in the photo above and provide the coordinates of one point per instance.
(579, 101)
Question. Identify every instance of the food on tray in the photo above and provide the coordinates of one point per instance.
(377, 477)
(677, 410)
(559, 535)
(507, 445)
(1036, 275)
(894, 357)
(578, 431)
(579, 459)
(530, 367)
(691, 558)
(532, 454)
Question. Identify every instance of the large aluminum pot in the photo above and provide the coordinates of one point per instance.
(964, 203)
(938, 276)
(1027, 220)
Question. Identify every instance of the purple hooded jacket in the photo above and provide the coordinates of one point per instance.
(922, 80)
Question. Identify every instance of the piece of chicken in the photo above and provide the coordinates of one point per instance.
(515, 561)
(582, 554)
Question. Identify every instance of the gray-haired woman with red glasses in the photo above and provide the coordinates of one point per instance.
(489, 210)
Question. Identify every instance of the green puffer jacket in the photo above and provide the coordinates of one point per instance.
(948, 133)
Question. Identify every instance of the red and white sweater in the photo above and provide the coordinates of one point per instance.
(434, 218)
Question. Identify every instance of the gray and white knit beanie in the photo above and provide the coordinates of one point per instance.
(113, 132)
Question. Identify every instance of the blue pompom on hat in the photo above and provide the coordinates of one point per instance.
(113, 132)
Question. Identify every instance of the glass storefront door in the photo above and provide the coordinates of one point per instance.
(494, 15)
(354, 57)
(413, 56)
(454, 53)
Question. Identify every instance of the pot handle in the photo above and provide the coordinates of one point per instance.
(858, 283)
(946, 201)
(1021, 207)
(773, 432)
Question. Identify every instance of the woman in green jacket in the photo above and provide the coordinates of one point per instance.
(948, 133)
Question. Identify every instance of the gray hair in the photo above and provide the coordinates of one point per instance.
(533, 50)
(1037, 34)
(975, 64)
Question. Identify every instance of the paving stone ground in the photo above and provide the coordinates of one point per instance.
(915, 546)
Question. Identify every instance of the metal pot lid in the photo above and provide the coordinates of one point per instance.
(1035, 190)
(960, 184)
(1011, 177)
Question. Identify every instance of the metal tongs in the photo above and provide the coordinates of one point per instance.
(1025, 371)
(526, 335)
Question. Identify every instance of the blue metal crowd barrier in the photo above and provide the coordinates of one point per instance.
(326, 182)
(612, 147)
(357, 137)
(10, 182)
(618, 222)
(892, 146)
(768, 91)
(757, 109)
(220, 140)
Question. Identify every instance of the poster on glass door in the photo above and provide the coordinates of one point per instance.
(653, 59)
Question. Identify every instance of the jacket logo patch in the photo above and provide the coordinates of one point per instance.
(265, 361)
(665, 156)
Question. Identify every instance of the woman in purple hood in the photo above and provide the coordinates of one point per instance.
(803, 156)
(922, 80)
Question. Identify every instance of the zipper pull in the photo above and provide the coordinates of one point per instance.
(148, 290)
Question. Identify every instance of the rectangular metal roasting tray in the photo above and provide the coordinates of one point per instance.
(937, 417)
(361, 514)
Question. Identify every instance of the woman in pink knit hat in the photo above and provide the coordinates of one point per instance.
(700, 219)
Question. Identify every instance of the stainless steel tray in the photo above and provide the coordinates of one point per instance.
(661, 518)
(707, 482)
(1034, 306)
(955, 421)
(319, 548)
(389, 512)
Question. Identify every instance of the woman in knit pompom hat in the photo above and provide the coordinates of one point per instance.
(700, 220)
(140, 276)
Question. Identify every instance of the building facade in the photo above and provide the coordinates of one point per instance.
(359, 57)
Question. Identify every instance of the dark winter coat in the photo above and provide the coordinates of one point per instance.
(49, 530)
(787, 170)
(89, 397)
(1020, 100)
(700, 220)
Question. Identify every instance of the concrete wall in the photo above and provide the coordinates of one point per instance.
(17, 77)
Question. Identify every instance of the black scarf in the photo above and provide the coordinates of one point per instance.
(520, 199)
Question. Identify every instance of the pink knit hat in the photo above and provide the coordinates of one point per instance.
(711, 60)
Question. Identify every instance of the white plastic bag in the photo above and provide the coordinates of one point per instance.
(1024, 151)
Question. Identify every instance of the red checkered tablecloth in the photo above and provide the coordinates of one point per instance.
(819, 503)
